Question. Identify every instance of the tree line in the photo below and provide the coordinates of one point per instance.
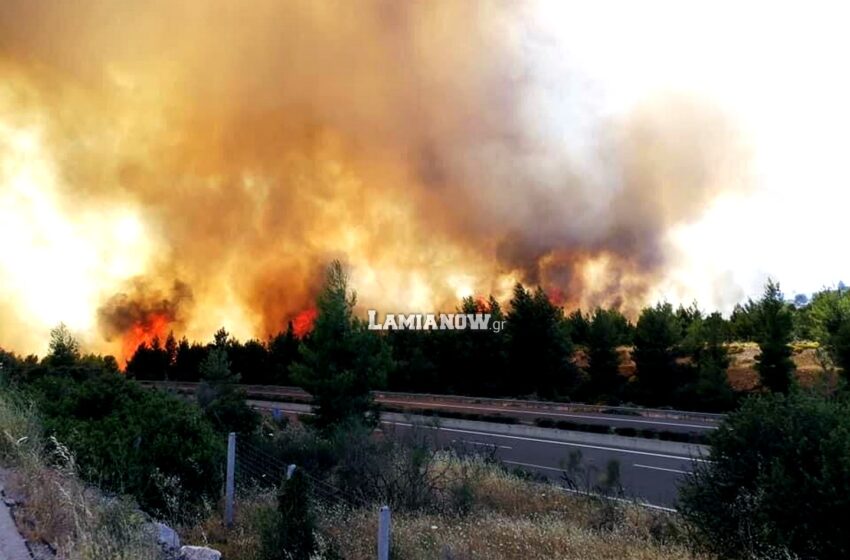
(681, 355)
(778, 466)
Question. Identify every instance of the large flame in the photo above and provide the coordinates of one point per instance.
(202, 161)
(148, 330)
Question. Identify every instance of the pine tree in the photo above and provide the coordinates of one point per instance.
(828, 321)
(711, 390)
(283, 351)
(341, 360)
(64, 350)
(603, 359)
(657, 335)
(170, 354)
(220, 396)
(579, 327)
(775, 328)
(539, 346)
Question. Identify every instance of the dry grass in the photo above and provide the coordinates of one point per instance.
(20, 431)
(55, 507)
(510, 518)
(241, 541)
(807, 356)
(492, 536)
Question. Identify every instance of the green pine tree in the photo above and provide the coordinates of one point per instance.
(774, 332)
(341, 360)
(603, 358)
(221, 397)
(657, 335)
(712, 390)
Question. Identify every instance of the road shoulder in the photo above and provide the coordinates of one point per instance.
(12, 544)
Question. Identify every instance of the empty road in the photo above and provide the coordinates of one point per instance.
(650, 470)
(523, 410)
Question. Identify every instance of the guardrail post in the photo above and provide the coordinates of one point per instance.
(229, 481)
(384, 533)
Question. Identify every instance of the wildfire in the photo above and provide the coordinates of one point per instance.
(154, 326)
(153, 180)
(303, 322)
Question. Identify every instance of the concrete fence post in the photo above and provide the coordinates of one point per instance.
(229, 481)
(384, 533)
(290, 470)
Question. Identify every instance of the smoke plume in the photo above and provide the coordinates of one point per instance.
(210, 157)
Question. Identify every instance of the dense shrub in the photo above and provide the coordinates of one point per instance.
(127, 439)
(288, 533)
(778, 480)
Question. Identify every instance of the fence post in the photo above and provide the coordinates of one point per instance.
(228, 489)
(290, 470)
(384, 533)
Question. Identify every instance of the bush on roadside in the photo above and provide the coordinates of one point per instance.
(288, 533)
(130, 440)
(778, 481)
(55, 506)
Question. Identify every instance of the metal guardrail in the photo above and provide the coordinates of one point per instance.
(508, 404)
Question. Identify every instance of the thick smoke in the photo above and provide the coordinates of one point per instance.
(259, 140)
(141, 305)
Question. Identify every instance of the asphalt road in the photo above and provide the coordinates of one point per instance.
(525, 411)
(650, 477)
(12, 546)
(685, 425)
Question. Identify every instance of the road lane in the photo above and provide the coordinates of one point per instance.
(526, 411)
(606, 419)
(648, 476)
(657, 485)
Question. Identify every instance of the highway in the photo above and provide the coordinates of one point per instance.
(650, 470)
(523, 410)
(562, 412)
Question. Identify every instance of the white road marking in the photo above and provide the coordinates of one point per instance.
(582, 493)
(550, 441)
(660, 469)
(621, 500)
(542, 413)
(532, 466)
(482, 443)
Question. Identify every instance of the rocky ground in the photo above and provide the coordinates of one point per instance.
(12, 544)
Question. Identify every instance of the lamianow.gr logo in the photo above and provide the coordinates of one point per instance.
(434, 321)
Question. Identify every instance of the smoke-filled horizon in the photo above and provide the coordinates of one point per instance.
(196, 164)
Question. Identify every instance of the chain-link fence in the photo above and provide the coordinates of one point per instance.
(251, 467)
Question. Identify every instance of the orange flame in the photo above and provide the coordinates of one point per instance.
(303, 322)
(556, 295)
(153, 326)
